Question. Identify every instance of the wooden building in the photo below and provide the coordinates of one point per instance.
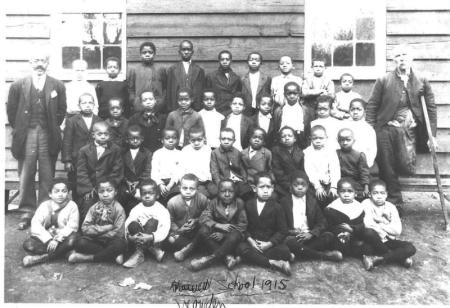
(273, 27)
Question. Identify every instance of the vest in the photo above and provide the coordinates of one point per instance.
(38, 110)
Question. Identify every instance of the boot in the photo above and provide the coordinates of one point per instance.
(136, 258)
(201, 263)
(77, 257)
(182, 254)
(281, 266)
(157, 252)
(408, 262)
(32, 260)
(370, 262)
(333, 255)
(231, 261)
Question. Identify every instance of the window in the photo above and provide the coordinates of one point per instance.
(92, 34)
(349, 34)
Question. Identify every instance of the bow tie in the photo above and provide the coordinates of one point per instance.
(184, 112)
(150, 117)
(105, 146)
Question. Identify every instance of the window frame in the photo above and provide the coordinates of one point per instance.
(361, 72)
(80, 7)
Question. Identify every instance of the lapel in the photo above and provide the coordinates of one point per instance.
(26, 88)
(253, 210)
(266, 211)
(48, 88)
(92, 154)
(246, 82)
(310, 206)
(128, 161)
(258, 155)
(290, 214)
(261, 81)
(246, 154)
(140, 157)
(179, 72)
(106, 152)
(82, 124)
(193, 71)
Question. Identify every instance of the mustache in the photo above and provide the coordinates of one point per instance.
(40, 67)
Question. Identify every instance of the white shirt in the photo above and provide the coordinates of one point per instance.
(254, 81)
(299, 213)
(166, 165)
(251, 152)
(277, 86)
(134, 153)
(100, 150)
(196, 162)
(343, 99)
(322, 166)
(264, 121)
(186, 65)
(211, 121)
(234, 122)
(88, 121)
(142, 214)
(73, 91)
(388, 224)
(39, 81)
(260, 206)
(293, 116)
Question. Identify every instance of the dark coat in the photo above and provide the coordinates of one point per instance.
(76, 136)
(386, 95)
(317, 223)
(224, 89)
(271, 134)
(269, 226)
(19, 113)
(246, 129)
(151, 130)
(177, 79)
(215, 213)
(284, 164)
(90, 169)
(138, 169)
(260, 162)
(263, 89)
(222, 162)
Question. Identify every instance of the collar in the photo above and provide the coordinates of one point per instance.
(232, 115)
(286, 76)
(183, 112)
(187, 62)
(221, 149)
(36, 77)
(100, 146)
(261, 115)
(229, 70)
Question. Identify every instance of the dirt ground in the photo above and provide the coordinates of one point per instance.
(312, 282)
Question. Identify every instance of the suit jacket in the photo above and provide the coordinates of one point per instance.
(177, 79)
(317, 223)
(19, 113)
(184, 121)
(271, 134)
(151, 130)
(223, 161)
(224, 89)
(215, 213)
(269, 226)
(76, 136)
(90, 169)
(284, 164)
(138, 169)
(384, 100)
(246, 129)
(261, 161)
(180, 212)
(263, 88)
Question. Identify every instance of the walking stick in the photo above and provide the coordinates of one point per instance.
(435, 162)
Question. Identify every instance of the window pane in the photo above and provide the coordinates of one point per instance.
(91, 54)
(92, 29)
(365, 28)
(69, 54)
(111, 51)
(365, 54)
(343, 55)
(343, 29)
(112, 29)
(321, 51)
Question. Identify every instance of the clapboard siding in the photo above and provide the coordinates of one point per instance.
(27, 26)
(214, 6)
(207, 49)
(215, 25)
(418, 23)
(433, 47)
(418, 5)
(19, 49)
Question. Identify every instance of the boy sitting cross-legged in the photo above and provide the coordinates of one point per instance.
(185, 210)
(147, 226)
(223, 224)
(307, 236)
(266, 229)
